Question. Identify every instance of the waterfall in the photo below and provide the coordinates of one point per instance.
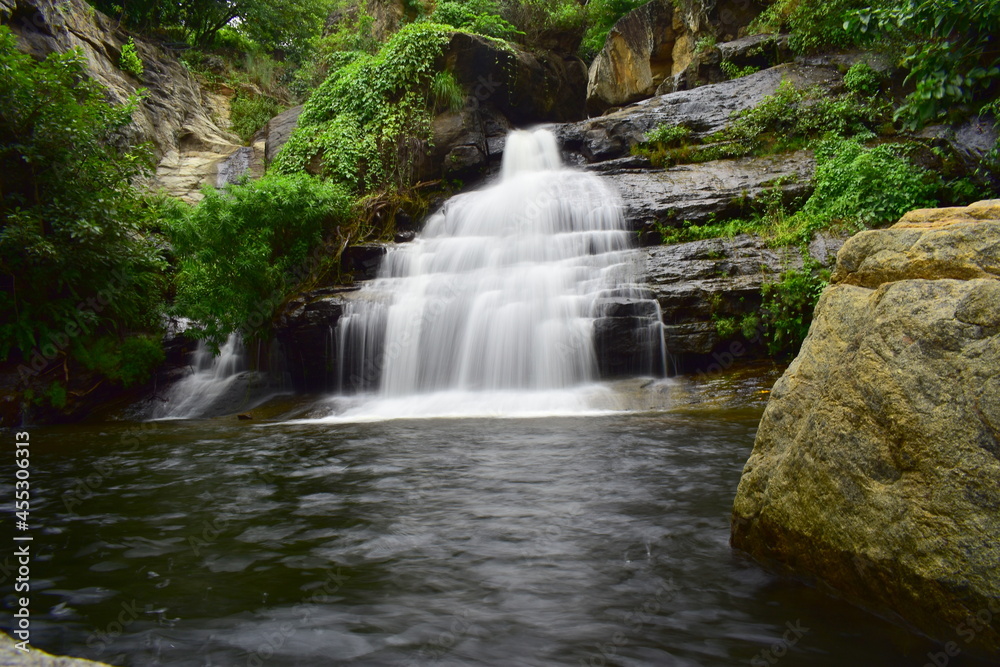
(497, 297)
(209, 384)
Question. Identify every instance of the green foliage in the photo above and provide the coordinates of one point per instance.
(129, 362)
(249, 113)
(601, 17)
(733, 71)
(370, 119)
(448, 93)
(788, 304)
(790, 117)
(129, 60)
(704, 44)
(243, 249)
(477, 16)
(74, 254)
(861, 79)
(286, 25)
(868, 186)
(811, 24)
(670, 136)
(55, 395)
(949, 48)
(662, 143)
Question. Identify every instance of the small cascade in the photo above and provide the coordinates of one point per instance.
(508, 296)
(233, 168)
(211, 382)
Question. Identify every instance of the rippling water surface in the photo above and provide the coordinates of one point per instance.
(560, 541)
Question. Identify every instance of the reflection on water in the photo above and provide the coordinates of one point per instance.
(555, 541)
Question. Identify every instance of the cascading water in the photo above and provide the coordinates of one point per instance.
(212, 378)
(491, 310)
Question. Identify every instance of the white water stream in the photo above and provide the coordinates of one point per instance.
(491, 310)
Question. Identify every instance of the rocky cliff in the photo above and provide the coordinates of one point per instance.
(185, 123)
(876, 470)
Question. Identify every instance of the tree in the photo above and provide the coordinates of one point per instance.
(73, 257)
(283, 25)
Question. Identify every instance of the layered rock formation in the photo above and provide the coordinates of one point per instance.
(185, 123)
(876, 470)
(697, 282)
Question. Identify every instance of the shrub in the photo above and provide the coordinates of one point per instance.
(129, 60)
(249, 113)
(788, 304)
(733, 71)
(244, 248)
(369, 119)
(448, 93)
(601, 17)
(129, 362)
(478, 16)
(861, 79)
(948, 47)
(868, 186)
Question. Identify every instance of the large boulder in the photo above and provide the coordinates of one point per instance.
(655, 49)
(876, 469)
(644, 47)
(183, 121)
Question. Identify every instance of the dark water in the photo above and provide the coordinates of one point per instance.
(595, 541)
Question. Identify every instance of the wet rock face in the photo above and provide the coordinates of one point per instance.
(694, 282)
(876, 469)
(305, 332)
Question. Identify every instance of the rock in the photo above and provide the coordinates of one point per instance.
(178, 116)
(305, 331)
(627, 334)
(700, 192)
(12, 657)
(277, 131)
(526, 87)
(695, 282)
(705, 110)
(969, 142)
(644, 47)
(362, 260)
(876, 469)
(926, 244)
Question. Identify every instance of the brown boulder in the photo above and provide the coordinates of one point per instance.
(876, 469)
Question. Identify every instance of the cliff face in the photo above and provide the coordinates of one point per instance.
(876, 469)
(185, 123)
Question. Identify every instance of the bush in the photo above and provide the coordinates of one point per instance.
(243, 249)
(948, 47)
(129, 362)
(249, 113)
(601, 17)
(478, 16)
(370, 119)
(811, 24)
(861, 79)
(868, 186)
(788, 304)
(130, 61)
